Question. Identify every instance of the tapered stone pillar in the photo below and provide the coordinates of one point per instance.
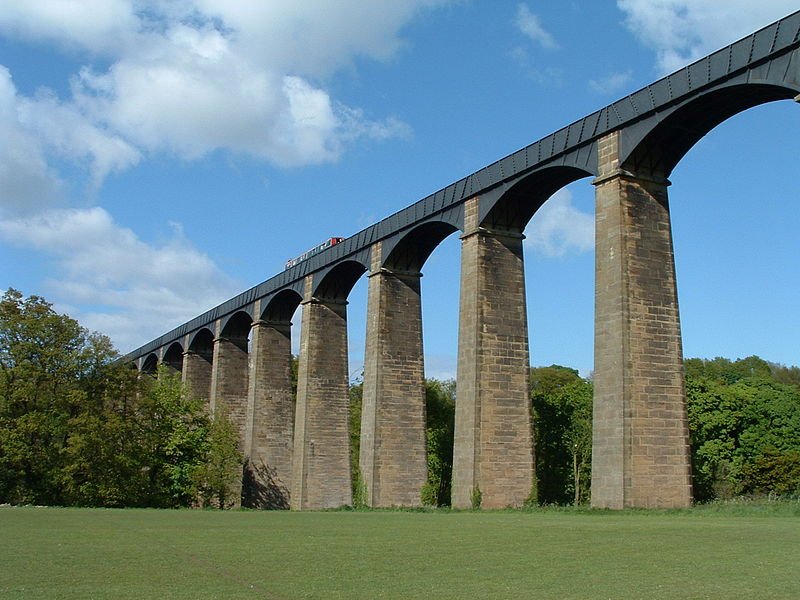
(392, 454)
(229, 385)
(640, 447)
(196, 374)
(321, 460)
(493, 452)
(229, 382)
(270, 429)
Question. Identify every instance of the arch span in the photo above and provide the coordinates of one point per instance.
(281, 306)
(657, 146)
(237, 329)
(337, 282)
(517, 205)
(414, 248)
(150, 364)
(202, 343)
(173, 357)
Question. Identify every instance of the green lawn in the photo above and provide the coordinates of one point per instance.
(703, 553)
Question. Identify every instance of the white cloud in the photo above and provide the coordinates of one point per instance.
(531, 26)
(37, 130)
(27, 183)
(559, 228)
(197, 76)
(681, 31)
(133, 291)
(95, 25)
(612, 83)
(187, 78)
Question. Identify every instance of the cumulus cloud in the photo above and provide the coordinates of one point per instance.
(681, 31)
(27, 183)
(559, 228)
(192, 77)
(530, 24)
(95, 25)
(184, 78)
(36, 130)
(135, 290)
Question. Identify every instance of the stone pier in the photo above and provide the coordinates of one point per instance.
(640, 447)
(321, 459)
(392, 453)
(196, 374)
(493, 452)
(229, 377)
(270, 430)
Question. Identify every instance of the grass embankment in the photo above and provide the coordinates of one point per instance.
(708, 552)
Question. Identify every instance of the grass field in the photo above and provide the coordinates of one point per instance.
(730, 552)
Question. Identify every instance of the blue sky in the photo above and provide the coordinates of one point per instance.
(156, 159)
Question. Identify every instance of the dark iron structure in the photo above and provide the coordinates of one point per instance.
(658, 125)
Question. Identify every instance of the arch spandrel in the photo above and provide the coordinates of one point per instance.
(280, 307)
(336, 282)
(511, 206)
(150, 364)
(409, 252)
(657, 145)
(202, 342)
(173, 356)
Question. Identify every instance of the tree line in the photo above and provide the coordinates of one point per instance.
(80, 427)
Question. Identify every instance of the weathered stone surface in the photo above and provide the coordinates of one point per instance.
(392, 452)
(229, 381)
(321, 459)
(196, 375)
(493, 451)
(270, 430)
(640, 452)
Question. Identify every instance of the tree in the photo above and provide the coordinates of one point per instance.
(218, 476)
(46, 361)
(354, 430)
(744, 427)
(178, 439)
(562, 411)
(80, 427)
(440, 405)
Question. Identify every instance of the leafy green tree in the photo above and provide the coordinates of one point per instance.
(440, 405)
(217, 478)
(354, 430)
(79, 427)
(177, 439)
(786, 375)
(744, 427)
(562, 411)
(102, 457)
(46, 360)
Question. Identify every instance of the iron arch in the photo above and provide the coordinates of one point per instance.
(410, 252)
(202, 344)
(517, 204)
(281, 306)
(150, 364)
(245, 314)
(173, 357)
(237, 328)
(657, 145)
(339, 280)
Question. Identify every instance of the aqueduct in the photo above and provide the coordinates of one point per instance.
(238, 355)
